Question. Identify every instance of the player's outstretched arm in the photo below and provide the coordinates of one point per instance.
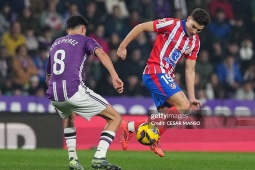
(137, 30)
(105, 59)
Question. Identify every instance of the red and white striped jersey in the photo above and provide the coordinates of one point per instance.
(171, 43)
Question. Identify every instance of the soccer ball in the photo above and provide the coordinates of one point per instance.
(147, 134)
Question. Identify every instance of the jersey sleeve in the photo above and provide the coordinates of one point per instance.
(163, 25)
(91, 45)
(194, 49)
(48, 72)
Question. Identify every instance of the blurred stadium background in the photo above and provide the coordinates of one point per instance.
(225, 81)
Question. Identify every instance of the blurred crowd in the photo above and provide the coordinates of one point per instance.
(225, 66)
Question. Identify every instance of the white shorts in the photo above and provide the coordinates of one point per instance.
(84, 102)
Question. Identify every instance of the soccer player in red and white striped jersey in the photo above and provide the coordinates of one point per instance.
(175, 39)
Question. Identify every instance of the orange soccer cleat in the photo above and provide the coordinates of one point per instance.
(126, 135)
(156, 149)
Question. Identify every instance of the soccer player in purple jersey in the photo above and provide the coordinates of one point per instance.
(69, 94)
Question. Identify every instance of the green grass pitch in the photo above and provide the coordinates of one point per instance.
(54, 159)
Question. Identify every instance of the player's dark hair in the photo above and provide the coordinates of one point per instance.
(75, 21)
(201, 16)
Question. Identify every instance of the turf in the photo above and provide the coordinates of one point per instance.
(54, 159)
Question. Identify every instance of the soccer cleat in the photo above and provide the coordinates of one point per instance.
(126, 135)
(156, 149)
(74, 164)
(103, 164)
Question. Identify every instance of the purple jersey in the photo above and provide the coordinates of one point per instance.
(66, 65)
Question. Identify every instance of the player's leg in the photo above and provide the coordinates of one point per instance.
(87, 104)
(70, 137)
(179, 105)
(113, 119)
(69, 134)
(162, 88)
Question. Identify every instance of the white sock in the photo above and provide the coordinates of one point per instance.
(131, 126)
(70, 137)
(106, 139)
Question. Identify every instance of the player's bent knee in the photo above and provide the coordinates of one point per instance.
(184, 106)
(118, 117)
(111, 114)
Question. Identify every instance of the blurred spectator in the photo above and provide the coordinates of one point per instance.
(182, 7)
(117, 63)
(229, 75)
(239, 30)
(192, 4)
(134, 18)
(233, 49)
(23, 67)
(178, 14)
(249, 74)
(101, 6)
(91, 14)
(7, 87)
(133, 86)
(50, 17)
(114, 41)
(252, 5)
(197, 83)
(34, 85)
(41, 61)
(142, 42)
(19, 5)
(245, 92)
(246, 53)
(163, 9)
(5, 70)
(121, 3)
(37, 6)
(204, 67)
(216, 52)
(13, 38)
(214, 89)
(32, 42)
(72, 10)
(35, 88)
(93, 72)
(28, 20)
(45, 40)
(5, 19)
(135, 60)
(219, 28)
(63, 6)
(145, 8)
(98, 35)
(241, 9)
(115, 23)
(224, 5)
